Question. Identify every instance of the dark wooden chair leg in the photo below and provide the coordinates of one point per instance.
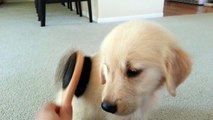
(76, 7)
(63, 3)
(79, 7)
(70, 4)
(43, 12)
(90, 10)
(36, 5)
(37, 9)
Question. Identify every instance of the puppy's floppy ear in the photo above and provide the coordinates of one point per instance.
(98, 66)
(102, 76)
(177, 68)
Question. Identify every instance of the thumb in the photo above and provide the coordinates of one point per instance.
(66, 112)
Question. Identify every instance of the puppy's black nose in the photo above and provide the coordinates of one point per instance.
(108, 107)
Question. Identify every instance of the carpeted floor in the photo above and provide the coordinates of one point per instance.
(29, 55)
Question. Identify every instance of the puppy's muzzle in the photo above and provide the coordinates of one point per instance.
(109, 107)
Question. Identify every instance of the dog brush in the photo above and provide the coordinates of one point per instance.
(76, 76)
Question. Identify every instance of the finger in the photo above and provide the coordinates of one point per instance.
(48, 112)
(51, 107)
(66, 112)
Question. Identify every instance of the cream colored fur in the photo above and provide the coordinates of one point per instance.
(136, 47)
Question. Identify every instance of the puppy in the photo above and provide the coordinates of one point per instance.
(135, 60)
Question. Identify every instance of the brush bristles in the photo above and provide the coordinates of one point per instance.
(65, 71)
(84, 79)
(69, 69)
(60, 70)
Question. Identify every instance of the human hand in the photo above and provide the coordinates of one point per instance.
(54, 112)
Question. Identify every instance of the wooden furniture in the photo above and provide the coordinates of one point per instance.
(1, 2)
(41, 8)
(199, 2)
(178, 8)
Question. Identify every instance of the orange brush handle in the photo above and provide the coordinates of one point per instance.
(70, 90)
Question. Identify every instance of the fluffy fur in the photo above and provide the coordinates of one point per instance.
(135, 60)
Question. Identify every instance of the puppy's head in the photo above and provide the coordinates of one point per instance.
(137, 57)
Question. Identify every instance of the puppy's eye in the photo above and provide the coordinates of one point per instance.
(133, 72)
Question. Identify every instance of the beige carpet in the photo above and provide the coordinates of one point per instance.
(29, 55)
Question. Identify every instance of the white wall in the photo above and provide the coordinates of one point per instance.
(114, 8)
(119, 10)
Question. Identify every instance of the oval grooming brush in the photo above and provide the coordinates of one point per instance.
(76, 76)
(71, 76)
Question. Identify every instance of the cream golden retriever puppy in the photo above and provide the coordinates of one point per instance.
(135, 60)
